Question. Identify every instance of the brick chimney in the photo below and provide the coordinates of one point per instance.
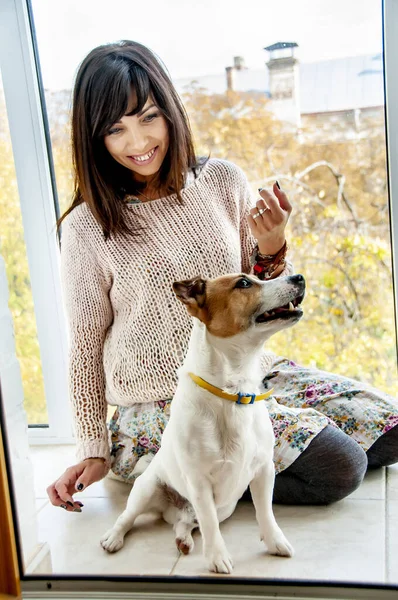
(239, 65)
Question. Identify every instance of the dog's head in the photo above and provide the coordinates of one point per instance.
(233, 304)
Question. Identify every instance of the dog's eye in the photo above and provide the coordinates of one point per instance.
(243, 283)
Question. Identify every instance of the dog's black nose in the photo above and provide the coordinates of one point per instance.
(297, 279)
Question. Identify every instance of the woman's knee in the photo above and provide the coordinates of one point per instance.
(347, 469)
(331, 468)
(384, 451)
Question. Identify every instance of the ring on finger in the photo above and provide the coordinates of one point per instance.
(261, 211)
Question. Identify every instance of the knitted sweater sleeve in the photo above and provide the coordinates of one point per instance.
(89, 315)
(247, 241)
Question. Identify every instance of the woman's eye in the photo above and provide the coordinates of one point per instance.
(114, 130)
(151, 117)
(243, 283)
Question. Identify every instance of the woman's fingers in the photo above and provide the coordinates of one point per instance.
(267, 220)
(271, 202)
(271, 210)
(52, 494)
(276, 204)
(283, 199)
(260, 209)
(76, 479)
(56, 500)
(62, 490)
(252, 225)
(265, 217)
(93, 471)
(85, 479)
(262, 206)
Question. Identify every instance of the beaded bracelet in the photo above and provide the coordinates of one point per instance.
(265, 265)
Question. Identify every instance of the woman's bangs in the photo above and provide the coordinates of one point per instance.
(139, 83)
(116, 98)
(113, 103)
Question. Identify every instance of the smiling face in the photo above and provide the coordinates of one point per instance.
(139, 142)
(234, 304)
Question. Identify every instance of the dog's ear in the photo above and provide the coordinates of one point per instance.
(191, 292)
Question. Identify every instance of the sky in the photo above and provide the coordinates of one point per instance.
(201, 37)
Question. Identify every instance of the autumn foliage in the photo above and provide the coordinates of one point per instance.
(335, 175)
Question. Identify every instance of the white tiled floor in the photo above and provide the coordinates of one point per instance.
(353, 540)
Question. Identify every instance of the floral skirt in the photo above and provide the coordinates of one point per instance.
(303, 403)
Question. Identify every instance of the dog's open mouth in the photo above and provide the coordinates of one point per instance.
(292, 309)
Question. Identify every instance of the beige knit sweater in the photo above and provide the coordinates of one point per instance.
(128, 332)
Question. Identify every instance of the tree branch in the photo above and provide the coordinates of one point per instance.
(340, 180)
(348, 278)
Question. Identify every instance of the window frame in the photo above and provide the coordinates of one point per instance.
(10, 566)
(36, 187)
(21, 87)
(390, 65)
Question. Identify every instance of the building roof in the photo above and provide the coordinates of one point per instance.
(325, 86)
(281, 46)
(355, 82)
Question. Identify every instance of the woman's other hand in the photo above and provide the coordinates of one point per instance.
(268, 228)
(76, 479)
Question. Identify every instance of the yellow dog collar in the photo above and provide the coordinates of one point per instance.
(238, 398)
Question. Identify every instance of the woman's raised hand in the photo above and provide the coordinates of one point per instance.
(268, 220)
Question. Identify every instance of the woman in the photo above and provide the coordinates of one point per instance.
(147, 212)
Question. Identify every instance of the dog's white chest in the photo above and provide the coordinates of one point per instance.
(217, 440)
(242, 448)
(231, 475)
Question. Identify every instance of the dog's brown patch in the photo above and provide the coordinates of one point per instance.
(174, 497)
(182, 546)
(230, 309)
(221, 304)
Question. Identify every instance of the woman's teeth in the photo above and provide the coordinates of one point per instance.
(145, 156)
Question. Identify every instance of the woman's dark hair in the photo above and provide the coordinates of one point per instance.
(102, 92)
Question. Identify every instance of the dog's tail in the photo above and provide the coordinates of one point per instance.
(142, 464)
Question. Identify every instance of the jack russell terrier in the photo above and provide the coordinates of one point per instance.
(219, 439)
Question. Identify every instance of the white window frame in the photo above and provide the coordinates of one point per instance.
(21, 89)
(25, 117)
(390, 41)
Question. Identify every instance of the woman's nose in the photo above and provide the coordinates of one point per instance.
(136, 141)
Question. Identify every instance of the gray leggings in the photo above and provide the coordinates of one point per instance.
(331, 467)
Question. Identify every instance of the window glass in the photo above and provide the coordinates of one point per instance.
(13, 251)
(294, 92)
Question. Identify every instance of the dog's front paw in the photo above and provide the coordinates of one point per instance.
(220, 561)
(277, 544)
(185, 544)
(112, 541)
